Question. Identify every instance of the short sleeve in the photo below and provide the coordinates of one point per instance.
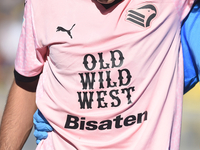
(30, 56)
(190, 38)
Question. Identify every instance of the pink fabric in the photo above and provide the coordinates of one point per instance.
(131, 57)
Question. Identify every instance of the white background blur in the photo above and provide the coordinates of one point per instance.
(11, 14)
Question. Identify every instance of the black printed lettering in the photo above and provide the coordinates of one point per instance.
(139, 117)
(91, 125)
(128, 90)
(88, 81)
(130, 120)
(72, 122)
(85, 62)
(101, 80)
(82, 124)
(128, 76)
(109, 80)
(101, 62)
(101, 99)
(85, 100)
(118, 121)
(113, 59)
(106, 124)
(115, 98)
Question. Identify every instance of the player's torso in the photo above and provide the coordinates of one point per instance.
(111, 73)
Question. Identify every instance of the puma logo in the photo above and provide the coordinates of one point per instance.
(59, 28)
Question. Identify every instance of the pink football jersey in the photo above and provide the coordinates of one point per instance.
(110, 78)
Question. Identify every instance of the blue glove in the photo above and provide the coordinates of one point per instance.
(41, 125)
(190, 39)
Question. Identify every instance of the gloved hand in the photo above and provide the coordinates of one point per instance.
(41, 125)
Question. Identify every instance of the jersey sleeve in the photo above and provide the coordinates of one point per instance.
(190, 38)
(30, 55)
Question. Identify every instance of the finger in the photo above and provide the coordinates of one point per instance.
(43, 127)
(39, 117)
(38, 141)
(40, 135)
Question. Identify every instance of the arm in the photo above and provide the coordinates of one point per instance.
(190, 32)
(17, 119)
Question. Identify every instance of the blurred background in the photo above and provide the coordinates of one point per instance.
(11, 14)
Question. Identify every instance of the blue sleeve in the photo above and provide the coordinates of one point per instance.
(190, 39)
